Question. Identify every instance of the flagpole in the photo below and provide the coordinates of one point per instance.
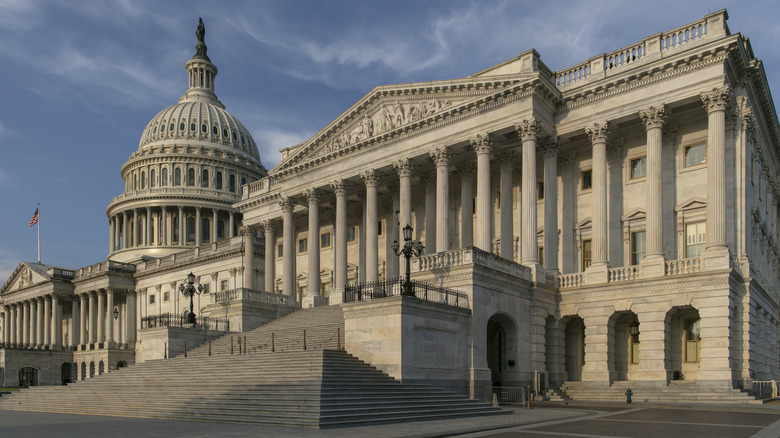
(39, 232)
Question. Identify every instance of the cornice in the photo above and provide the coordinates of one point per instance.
(200, 260)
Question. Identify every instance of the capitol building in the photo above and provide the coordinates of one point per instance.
(611, 223)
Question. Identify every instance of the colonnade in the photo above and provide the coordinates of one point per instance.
(167, 225)
(34, 323)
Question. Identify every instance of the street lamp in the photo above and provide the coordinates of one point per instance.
(410, 248)
(189, 291)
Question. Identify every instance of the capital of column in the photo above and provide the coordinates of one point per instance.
(654, 117)
(482, 143)
(506, 158)
(599, 132)
(528, 129)
(339, 187)
(312, 196)
(441, 156)
(428, 178)
(286, 203)
(247, 229)
(268, 226)
(717, 99)
(466, 170)
(369, 177)
(403, 167)
(549, 147)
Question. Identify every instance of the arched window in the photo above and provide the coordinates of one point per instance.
(232, 183)
(152, 182)
(135, 181)
(143, 180)
(164, 179)
(190, 229)
(177, 177)
(218, 181)
(190, 177)
(220, 229)
(175, 222)
(243, 180)
(204, 178)
(205, 226)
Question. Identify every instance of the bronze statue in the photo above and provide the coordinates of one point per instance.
(200, 48)
(201, 31)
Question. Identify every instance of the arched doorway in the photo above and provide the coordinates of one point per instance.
(683, 343)
(574, 347)
(65, 373)
(623, 345)
(554, 352)
(83, 371)
(28, 376)
(501, 355)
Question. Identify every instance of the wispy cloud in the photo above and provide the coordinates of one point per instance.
(271, 141)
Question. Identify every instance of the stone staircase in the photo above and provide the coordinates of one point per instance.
(555, 395)
(678, 391)
(324, 327)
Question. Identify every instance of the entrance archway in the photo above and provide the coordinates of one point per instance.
(501, 354)
(65, 373)
(28, 376)
(683, 343)
(574, 347)
(623, 346)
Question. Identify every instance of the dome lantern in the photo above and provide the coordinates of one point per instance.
(201, 72)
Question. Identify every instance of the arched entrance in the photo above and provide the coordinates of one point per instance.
(501, 338)
(28, 376)
(574, 347)
(623, 346)
(554, 351)
(683, 343)
(65, 373)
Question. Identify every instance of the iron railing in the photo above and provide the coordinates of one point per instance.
(505, 395)
(177, 320)
(394, 287)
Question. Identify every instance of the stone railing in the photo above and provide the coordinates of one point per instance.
(108, 265)
(465, 256)
(570, 280)
(627, 273)
(683, 266)
(244, 294)
(264, 185)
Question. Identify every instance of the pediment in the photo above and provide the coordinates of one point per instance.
(24, 276)
(585, 223)
(634, 214)
(691, 204)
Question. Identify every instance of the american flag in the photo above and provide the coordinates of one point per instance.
(34, 219)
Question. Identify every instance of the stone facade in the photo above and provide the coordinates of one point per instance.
(613, 221)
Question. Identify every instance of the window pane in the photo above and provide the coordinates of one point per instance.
(695, 239)
(637, 247)
(586, 254)
(325, 240)
(695, 154)
(638, 167)
(587, 179)
(302, 245)
(351, 234)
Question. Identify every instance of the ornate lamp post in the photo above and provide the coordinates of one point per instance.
(189, 291)
(410, 248)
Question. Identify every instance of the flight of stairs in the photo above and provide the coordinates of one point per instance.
(678, 391)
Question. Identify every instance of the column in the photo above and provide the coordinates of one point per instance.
(40, 322)
(182, 231)
(84, 339)
(214, 222)
(315, 282)
(248, 234)
(47, 321)
(528, 130)
(288, 242)
(198, 227)
(340, 249)
(441, 157)
(653, 119)
(270, 254)
(131, 318)
(429, 181)
(404, 169)
(111, 234)
(101, 316)
(93, 317)
(125, 231)
(4, 339)
(164, 226)
(56, 323)
(483, 145)
(598, 134)
(231, 231)
(14, 325)
(372, 233)
(507, 227)
(136, 228)
(33, 323)
(109, 319)
(75, 323)
(550, 151)
(148, 223)
(466, 205)
(26, 324)
(715, 103)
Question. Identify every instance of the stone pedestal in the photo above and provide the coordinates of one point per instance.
(310, 301)
(653, 266)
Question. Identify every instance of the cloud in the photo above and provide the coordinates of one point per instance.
(270, 141)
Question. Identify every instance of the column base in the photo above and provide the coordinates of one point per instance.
(653, 265)
(310, 301)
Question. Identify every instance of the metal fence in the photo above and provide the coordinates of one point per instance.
(177, 320)
(505, 395)
(395, 286)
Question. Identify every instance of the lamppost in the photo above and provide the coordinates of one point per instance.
(410, 248)
(189, 291)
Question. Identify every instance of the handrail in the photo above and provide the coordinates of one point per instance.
(395, 287)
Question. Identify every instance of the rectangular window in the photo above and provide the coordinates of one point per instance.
(695, 154)
(166, 296)
(223, 285)
(695, 239)
(325, 240)
(474, 205)
(280, 250)
(540, 254)
(540, 190)
(303, 245)
(637, 247)
(586, 254)
(586, 179)
(206, 288)
(380, 228)
(151, 299)
(325, 290)
(351, 234)
(638, 167)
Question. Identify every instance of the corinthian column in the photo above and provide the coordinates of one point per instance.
(466, 173)
(248, 234)
(528, 130)
(340, 251)
(404, 169)
(372, 235)
(441, 156)
(269, 228)
(653, 119)
(598, 134)
(288, 238)
(483, 145)
(313, 198)
(715, 103)
(550, 151)
(125, 231)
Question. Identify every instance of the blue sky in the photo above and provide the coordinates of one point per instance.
(80, 79)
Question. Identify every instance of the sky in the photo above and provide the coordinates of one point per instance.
(79, 80)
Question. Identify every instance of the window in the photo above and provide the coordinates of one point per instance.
(175, 221)
(474, 205)
(190, 229)
(164, 181)
(695, 154)
(223, 285)
(586, 179)
(351, 234)
(191, 177)
(638, 167)
(218, 181)
(151, 299)
(380, 228)
(177, 177)
(152, 175)
(540, 190)
(143, 180)
(303, 245)
(692, 336)
(634, 339)
(166, 296)
(325, 240)
(206, 227)
(586, 254)
(206, 288)
(325, 290)
(637, 247)
(232, 183)
(243, 180)
(214, 130)
(280, 250)
(540, 254)
(695, 239)
(204, 178)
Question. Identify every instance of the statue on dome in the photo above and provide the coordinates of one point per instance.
(200, 33)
